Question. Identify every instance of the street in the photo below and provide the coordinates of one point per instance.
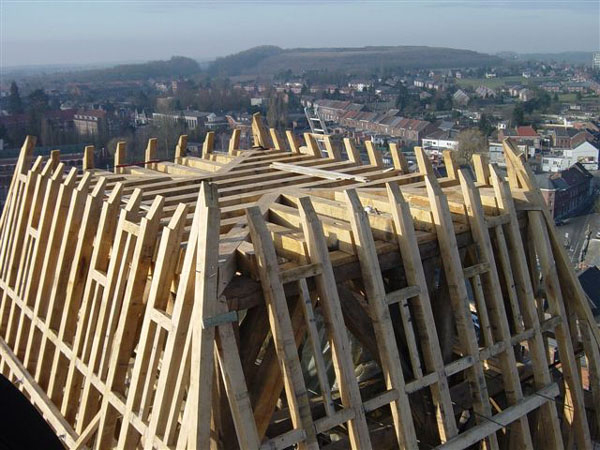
(574, 233)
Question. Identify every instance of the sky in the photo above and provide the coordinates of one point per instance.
(71, 32)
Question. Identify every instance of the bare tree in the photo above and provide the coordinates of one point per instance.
(471, 141)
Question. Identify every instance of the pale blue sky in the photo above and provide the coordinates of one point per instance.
(84, 31)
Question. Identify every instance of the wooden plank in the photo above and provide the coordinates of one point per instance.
(144, 368)
(50, 258)
(170, 384)
(151, 152)
(197, 423)
(315, 343)
(75, 330)
(98, 220)
(502, 419)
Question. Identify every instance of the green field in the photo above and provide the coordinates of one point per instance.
(567, 98)
(492, 83)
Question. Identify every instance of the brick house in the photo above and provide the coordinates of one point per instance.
(567, 191)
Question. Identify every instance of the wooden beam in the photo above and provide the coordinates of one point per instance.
(181, 148)
(482, 172)
(209, 144)
(277, 141)
(330, 304)
(292, 141)
(375, 158)
(151, 150)
(415, 276)
(120, 156)
(331, 147)
(88, 157)
(234, 141)
(494, 302)
(259, 132)
(423, 161)
(459, 297)
(353, 153)
(312, 146)
(281, 328)
(386, 342)
(398, 158)
(502, 419)
(450, 163)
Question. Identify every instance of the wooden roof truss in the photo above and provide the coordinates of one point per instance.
(235, 299)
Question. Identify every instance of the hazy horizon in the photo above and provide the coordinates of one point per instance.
(103, 32)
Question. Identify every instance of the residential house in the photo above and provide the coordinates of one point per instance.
(580, 87)
(590, 282)
(215, 122)
(551, 87)
(526, 94)
(524, 135)
(461, 98)
(513, 91)
(57, 123)
(496, 154)
(567, 191)
(439, 140)
(585, 153)
(485, 92)
(192, 118)
(90, 122)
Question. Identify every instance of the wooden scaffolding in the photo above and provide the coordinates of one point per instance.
(277, 297)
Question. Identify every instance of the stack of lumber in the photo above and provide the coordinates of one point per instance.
(284, 297)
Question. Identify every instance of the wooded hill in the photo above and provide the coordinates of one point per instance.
(270, 60)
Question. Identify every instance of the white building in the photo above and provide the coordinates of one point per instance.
(596, 61)
(191, 118)
(585, 153)
(441, 140)
(496, 154)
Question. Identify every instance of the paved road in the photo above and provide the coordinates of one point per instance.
(576, 229)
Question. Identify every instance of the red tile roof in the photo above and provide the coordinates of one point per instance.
(527, 131)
